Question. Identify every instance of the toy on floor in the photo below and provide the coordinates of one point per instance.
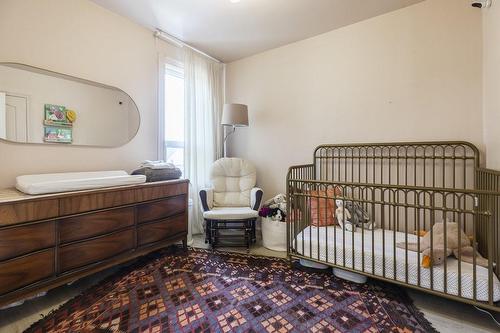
(351, 215)
(453, 246)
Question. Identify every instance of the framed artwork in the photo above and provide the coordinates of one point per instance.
(58, 134)
(56, 115)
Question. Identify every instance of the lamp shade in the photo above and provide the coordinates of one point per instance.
(235, 115)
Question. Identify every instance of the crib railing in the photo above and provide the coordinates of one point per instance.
(406, 188)
(489, 180)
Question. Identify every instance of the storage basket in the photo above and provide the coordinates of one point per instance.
(273, 234)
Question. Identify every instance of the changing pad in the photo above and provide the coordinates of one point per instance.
(75, 181)
(383, 261)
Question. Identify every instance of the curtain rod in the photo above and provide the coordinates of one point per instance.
(179, 43)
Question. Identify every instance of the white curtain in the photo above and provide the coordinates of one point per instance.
(203, 80)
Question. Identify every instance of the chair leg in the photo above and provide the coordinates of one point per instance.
(254, 235)
(208, 231)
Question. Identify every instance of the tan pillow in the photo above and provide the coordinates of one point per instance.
(322, 209)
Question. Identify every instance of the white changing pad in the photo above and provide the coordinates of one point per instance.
(310, 247)
(75, 181)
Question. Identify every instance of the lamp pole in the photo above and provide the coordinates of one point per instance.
(233, 129)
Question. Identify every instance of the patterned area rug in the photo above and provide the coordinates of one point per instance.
(204, 291)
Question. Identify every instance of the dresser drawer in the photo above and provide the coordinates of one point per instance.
(21, 240)
(94, 224)
(162, 190)
(95, 250)
(161, 209)
(163, 229)
(88, 202)
(17, 273)
(13, 213)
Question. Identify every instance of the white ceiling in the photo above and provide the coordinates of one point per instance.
(230, 31)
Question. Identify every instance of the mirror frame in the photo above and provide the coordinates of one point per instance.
(40, 70)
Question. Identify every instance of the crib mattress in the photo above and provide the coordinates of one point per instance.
(392, 265)
(75, 181)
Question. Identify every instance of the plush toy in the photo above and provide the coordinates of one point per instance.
(278, 216)
(453, 246)
(351, 215)
(344, 221)
(279, 201)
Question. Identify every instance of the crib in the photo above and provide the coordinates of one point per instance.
(406, 189)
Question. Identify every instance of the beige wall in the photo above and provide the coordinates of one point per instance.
(491, 26)
(413, 74)
(81, 39)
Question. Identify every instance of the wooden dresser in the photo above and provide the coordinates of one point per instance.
(50, 240)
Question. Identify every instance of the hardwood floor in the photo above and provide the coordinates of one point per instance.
(446, 316)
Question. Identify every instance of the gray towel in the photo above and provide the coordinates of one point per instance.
(155, 175)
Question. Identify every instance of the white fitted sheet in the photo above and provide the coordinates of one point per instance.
(75, 181)
(334, 237)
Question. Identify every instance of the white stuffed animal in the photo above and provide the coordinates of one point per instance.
(279, 201)
(344, 221)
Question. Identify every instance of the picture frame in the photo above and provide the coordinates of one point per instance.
(58, 134)
(56, 115)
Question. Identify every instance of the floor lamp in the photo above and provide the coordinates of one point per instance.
(234, 115)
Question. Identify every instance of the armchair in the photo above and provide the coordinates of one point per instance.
(232, 202)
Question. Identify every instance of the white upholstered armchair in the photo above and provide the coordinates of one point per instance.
(233, 201)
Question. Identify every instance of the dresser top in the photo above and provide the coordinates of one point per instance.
(10, 195)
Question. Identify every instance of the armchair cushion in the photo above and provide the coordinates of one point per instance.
(230, 213)
(233, 180)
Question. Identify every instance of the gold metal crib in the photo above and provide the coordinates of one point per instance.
(405, 188)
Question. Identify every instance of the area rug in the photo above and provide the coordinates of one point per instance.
(205, 291)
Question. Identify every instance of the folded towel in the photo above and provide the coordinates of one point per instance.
(157, 164)
(154, 175)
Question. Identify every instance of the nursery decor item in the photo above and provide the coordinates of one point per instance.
(56, 115)
(273, 234)
(351, 215)
(71, 115)
(278, 201)
(58, 134)
(274, 214)
(323, 210)
(457, 245)
(273, 223)
(210, 291)
(57, 127)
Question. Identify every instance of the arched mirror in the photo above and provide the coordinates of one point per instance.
(41, 106)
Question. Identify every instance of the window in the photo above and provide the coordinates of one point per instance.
(174, 115)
